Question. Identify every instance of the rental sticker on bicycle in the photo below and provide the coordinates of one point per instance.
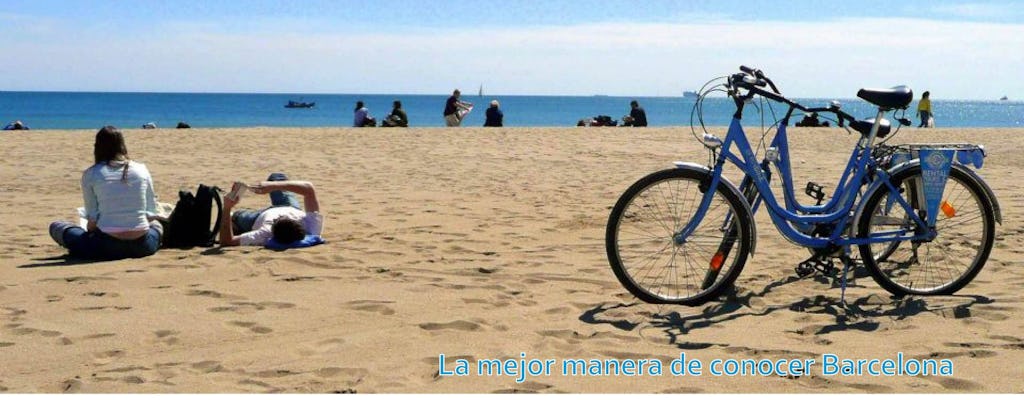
(935, 165)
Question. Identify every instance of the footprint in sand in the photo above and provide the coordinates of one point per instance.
(274, 373)
(253, 382)
(167, 336)
(372, 306)
(211, 293)
(78, 279)
(251, 326)
(961, 385)
(107, 357)
(243, 307)
(322, 346)
(459, 325)
(526, 387)
(207, 367)
(71, 386)
(351, 376)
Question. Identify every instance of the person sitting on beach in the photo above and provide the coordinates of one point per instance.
(120, 206)
(397, 118)
(362, 116)
(809, 120)
(284, 221)
(494, 115)
(16, 126)
(637, 115)
(453, 108)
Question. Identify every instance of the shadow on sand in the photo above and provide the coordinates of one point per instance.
(862, 314)
(58, 261)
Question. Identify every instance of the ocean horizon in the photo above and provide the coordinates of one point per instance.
(90, 110)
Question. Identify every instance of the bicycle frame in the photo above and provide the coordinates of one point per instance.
(837, 211)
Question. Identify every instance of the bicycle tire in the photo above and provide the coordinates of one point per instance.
(958, 234)
(647, 216)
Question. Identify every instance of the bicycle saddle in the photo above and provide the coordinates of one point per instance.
(897, 97)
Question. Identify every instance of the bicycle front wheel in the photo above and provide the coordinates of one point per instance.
(657, 266)
(966, 231)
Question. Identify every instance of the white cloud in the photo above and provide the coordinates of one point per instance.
(818, 58)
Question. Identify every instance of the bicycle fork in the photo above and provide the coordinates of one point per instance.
(731, 229)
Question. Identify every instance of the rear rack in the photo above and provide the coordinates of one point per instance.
(966, 153)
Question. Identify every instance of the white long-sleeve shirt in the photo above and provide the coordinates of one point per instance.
(119, 205)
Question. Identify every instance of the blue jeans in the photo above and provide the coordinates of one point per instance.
(96, 245)
(243, 220)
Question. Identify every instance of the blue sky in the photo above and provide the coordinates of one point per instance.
(813, 48)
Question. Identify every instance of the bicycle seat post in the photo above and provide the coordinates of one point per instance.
(870, 139)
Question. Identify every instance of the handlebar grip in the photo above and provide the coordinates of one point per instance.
(752, 71)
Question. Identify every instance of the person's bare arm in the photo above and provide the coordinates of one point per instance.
(302, 188)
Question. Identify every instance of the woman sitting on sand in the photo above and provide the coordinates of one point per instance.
(362, 116)
(119, 205)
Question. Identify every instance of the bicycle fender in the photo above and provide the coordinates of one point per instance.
(988, 191)
(730, 187)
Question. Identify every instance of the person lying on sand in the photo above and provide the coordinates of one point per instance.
(284, 222)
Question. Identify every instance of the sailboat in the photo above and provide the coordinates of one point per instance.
(481, 91)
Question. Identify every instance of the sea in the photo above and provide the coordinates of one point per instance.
(85, 110)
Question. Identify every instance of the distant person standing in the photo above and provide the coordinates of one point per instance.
(494, 115)
(453, 109)
(397, 118)
(924, 109)
(637, 115)
(362, 116)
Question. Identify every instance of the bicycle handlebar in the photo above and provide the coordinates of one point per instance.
(753, 80)
(760, 76)
(752, 71)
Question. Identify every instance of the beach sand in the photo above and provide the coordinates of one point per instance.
(476, 243)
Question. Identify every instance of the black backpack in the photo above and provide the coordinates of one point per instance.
(189, 223)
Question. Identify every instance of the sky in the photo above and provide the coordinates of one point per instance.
(956, 50)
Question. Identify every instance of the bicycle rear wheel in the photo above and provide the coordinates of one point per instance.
(651, 264)
(966, 231)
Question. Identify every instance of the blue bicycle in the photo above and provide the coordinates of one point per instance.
(922, 219)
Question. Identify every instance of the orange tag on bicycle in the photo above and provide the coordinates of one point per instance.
(948, 209)
(717, 260)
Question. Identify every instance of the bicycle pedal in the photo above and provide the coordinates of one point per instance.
(817, 264)
(803, 270)
(816, 191)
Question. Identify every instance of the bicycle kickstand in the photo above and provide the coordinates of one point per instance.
(847, 263)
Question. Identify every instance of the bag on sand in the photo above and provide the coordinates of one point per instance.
(189, 224)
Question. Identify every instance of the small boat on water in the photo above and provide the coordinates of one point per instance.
(1004, 98)
(299, 104)
(690, 95)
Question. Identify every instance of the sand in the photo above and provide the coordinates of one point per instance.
(474, 243)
